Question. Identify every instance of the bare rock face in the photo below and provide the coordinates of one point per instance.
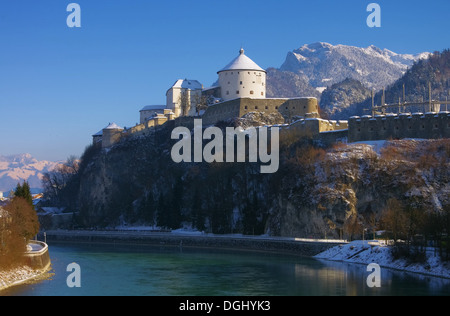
(317, 192)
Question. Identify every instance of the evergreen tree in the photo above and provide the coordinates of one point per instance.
(24, 192)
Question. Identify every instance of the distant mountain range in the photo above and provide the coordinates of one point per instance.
(18, 168)
(338, 75)
(324, 64)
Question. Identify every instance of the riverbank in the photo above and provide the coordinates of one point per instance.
(297, 246)
(38, 263)
(366, 252)
(17, 276)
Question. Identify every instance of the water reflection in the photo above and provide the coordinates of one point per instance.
(168, 271)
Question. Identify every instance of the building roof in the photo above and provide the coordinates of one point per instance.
(110, 126)
(242, 62)
(153, 107)
(187, 84)
(113, 126)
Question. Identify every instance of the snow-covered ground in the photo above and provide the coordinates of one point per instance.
(366, 252)
(17, 276)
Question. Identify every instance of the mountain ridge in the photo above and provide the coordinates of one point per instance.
(22, 167)
(319, 65)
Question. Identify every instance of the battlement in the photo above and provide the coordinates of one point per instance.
(288, 108)
(431, 125)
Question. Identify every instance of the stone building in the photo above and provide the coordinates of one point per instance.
(184, 95)
(147, 112)
(241, 89)
(242, 78)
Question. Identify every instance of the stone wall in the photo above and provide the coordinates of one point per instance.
(404, 125)
(281, 245)
(289, 108)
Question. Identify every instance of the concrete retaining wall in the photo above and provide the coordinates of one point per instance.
(38, 260)
(267, 244)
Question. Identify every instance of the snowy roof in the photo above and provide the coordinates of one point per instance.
(99, 133)
(153, 107)
(242, 62)
(187, 84)
(110, 126)
(113, 126)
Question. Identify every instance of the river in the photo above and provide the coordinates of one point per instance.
(107, 270)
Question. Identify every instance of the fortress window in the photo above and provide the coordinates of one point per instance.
(251, 92)
(228, 92)
(304, 106)
(228, 82)
(254, 81)
(359, 130)
(249, 72)
(246, 107)
(293, 107)
(262, 93)
(436, 126)
(256, 107)
(276, 108)
(240, 83)
(423, 126)
(267, 107)
(237, 92)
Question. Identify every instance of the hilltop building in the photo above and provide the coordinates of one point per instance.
(149, 111)
(241, 89)
(242, 78)
(183, 97)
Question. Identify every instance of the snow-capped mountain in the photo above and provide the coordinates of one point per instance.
(325, 64)
(17, 168)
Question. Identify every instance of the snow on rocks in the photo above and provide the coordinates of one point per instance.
(366, 252)
(16, 276)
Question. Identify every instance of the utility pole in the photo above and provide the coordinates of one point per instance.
(373, 103)
(429, 98)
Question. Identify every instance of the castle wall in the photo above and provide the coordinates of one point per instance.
(320, 129)
(289, 108)
(110, 137)
(404, 125)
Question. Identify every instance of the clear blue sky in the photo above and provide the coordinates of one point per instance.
(60, 85)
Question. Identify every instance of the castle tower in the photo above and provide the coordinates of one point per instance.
(183, 96)
(111, 134)
(242, 78)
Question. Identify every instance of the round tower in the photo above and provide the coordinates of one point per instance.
(242, 78)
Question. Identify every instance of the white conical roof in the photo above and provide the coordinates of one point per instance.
(113, 126)
(242, 62)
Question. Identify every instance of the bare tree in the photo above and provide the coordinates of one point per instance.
(201, 103)
(185, 102)
(54, 182)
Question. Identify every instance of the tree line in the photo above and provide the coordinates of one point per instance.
(18, 224)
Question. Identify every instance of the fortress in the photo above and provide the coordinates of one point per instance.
(241, 89)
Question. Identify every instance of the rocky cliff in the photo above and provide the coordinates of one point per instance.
(317, 192)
